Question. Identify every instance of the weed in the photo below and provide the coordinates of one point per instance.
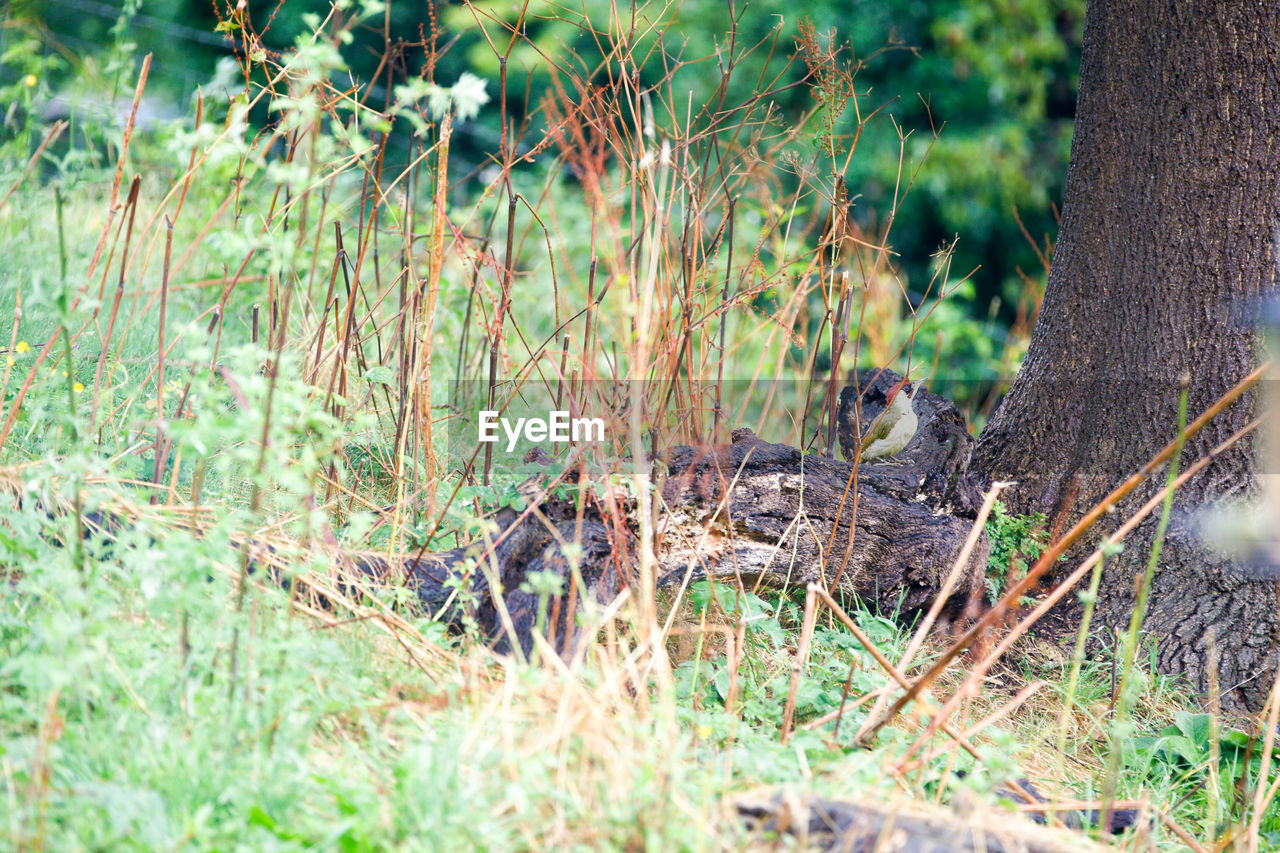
(227, 370)
(1017, 541)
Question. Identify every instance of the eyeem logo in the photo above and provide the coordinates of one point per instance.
(557, 427)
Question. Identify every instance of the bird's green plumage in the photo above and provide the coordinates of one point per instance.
(894, 429)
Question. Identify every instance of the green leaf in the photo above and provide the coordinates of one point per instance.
(1195, 727)
(379, 374)
(1184, 748)
(721, 682)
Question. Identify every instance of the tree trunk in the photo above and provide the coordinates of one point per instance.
(1170, 221)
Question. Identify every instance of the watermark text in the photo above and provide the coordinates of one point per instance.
(557, 427)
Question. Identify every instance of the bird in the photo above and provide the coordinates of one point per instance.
(893, 430)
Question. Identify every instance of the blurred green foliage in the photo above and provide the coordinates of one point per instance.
(997, 78)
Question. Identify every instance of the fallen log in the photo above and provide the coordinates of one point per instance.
(751, 511)
(817, 823)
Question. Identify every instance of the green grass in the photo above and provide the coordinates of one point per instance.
(155, 696)
(141, 708)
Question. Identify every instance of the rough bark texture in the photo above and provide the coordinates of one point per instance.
(786, 519)
(939, 451)
(1170, 219)
(751, 512)
(867, 827)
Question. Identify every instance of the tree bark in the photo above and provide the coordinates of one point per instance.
(1170, 220)
(750, 513)
(869, 826)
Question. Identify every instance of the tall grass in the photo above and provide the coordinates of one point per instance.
(253, 344)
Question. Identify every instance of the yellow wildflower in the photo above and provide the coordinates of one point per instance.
(30, 80)
(22, 347)
(78, 387)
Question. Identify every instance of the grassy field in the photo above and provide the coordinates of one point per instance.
(236, 347)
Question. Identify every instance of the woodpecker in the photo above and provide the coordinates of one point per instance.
(894, 429)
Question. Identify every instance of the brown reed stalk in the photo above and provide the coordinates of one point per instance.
(159, 462)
